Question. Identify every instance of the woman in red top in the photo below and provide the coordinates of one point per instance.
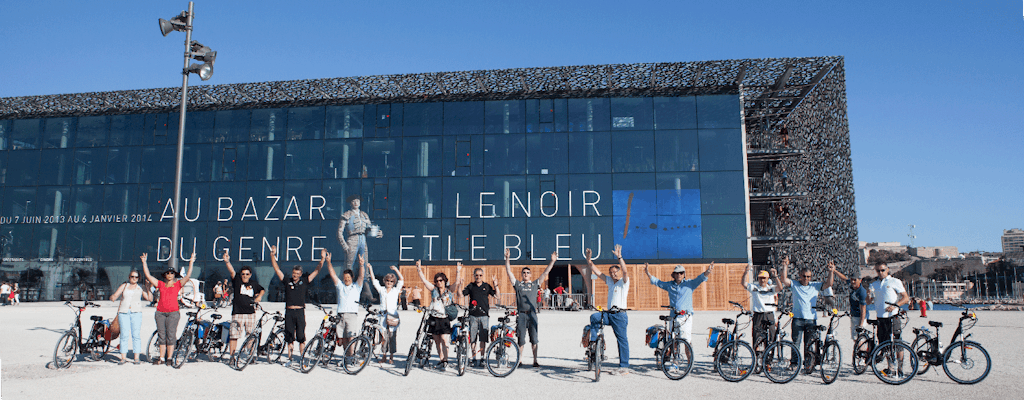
(167, 307)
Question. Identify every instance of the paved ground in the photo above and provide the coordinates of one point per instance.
(29, 333)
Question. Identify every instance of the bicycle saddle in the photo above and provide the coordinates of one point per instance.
(664, 317)
(191, 314)
(278, 318)
(862, 330)
(873, 322)
(728, 321)
(503, 319)
(935, 324)
(215, 316)
(820, 328)
(96, 318)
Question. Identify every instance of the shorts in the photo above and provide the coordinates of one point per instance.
(348, 325)
(682, 326)
(854, 326)
(478, 328)
(294, 325)
(241, 325)
(885, 331)
(526, 322)
(439, 326)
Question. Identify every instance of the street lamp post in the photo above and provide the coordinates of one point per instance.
(193, 50)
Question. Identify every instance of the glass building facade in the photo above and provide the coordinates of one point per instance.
(444, 181)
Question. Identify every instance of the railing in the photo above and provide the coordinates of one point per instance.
(776, 180)
(576, 301)
(774, 226)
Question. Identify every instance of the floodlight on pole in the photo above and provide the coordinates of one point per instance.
(178, 23)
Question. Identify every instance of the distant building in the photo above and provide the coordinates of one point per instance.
(929, 252)
(927, 266)
(864, 249)
(1013, 240)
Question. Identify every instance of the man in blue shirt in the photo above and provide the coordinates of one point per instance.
(680, 297)
(858, 301)
(805, 295)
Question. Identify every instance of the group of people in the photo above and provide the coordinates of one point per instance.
(10, 293)
(222, 293)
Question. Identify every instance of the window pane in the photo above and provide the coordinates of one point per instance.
(60, 133)
(266, 161)
(547, 153)
(53, 201)
(305, 123)
(231, 126)
(344, 122)
(718, 111)
(463, 118)
(421, 198)
(591, 194)
(725, 236)
(155, 129)
(463, 192)
(381, 158)
(126, 130)
(721, 149)
(676, 150)
(343, 159)
(722, 192)
(504, 154)
(675, 112)
(118, 243)
(422, 157)
(196, 163)
(90, 167)
(267, 124)
(157, 164)
(20, 202)
(56, 169)
(25, 134)
(86, 200)
(335, 192)
(540, 115)
(503, 116)
(510, 193)
(229, 162)
(591, 152)
(634, 151)
(591, 233)
(5, 129)
(27, 169)
(21, 243)
(422, 119)
(632, 113)
(304, 158)
(199, 126)
(121, 199)
(92, 131)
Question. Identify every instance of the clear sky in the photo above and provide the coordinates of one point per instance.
(934, 88)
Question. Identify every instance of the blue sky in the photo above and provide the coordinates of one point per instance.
(933, 88)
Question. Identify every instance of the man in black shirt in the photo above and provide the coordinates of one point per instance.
(479, 293)
(247, 293)
(295, 290)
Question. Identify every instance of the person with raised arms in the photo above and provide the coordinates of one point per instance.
(167, 315)
(296, 288)
(618, 294)
(526, 301)
(350, 287)
(479, 293)
(680, 297)
(389, 295)
(805, 296)
(247, 292)
(441, 297)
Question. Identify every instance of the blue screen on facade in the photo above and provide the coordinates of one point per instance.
(662, 176)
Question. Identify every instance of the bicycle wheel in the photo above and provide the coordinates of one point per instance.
(888, 361)
(923, 349)
(410, 359)
(275, 347)
(356, 356)
(246, 352)
(862, 348)
(781, 361)
(462, 355)
(182, 348)
(966, 362)
(153, 347)
(831, 361)
(598, 357)
(64, 353)
(677, 360)
(311, 354)
(502, 357)
(736, 361)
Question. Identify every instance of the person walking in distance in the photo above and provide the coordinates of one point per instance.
(884, 290)
(618, 292)
(353, 227)
(526, 301)
(129, 313)
(762, 293)
(479, 293)
(167, 315)
(394, 285)
(247, 292)
(805, 295)
(680, 298)
(440, 298)
(349, 286)
(296, 288)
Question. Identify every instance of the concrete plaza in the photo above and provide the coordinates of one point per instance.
(29, 333)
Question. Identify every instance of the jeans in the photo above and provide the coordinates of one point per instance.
(131, 326)
(618, 322)
(801, 325)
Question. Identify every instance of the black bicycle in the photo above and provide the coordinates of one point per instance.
(889, 357)
(198, 337)
(502, 355)
(419, 351)
(734, 359)
(250, 347)
(781, 359)
(595, 349)
(321, 346)
(672, 353)
(763, 337)
(964, 361)
(824, 350)
(460, 338)
(71, 343)
(370, 342)
(863, 346)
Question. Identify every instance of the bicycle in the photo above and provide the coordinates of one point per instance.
(370, 342)
(460, 338)
(321, 346)
(196, 338)
(595, 349)
(781, 359)
(893, 353)
(763, 337)
(955, 358)
(70, 344)
(672, 353)
(825, 352)
(250, 347)
(502, 355)
(863, 346)
(419, 351)
(731, 359)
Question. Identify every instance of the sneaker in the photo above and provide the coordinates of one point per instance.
(535, 365)
(121, 362)
(622, 371)
(442, 366)
(157, 361)
(288, 364)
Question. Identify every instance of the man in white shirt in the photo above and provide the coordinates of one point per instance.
(618, 291)
(885, 291)
(5, 292)
(349, 288)
(762, 292)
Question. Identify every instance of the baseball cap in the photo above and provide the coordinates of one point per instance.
(679, 269)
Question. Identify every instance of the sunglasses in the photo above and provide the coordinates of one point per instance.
(133, 277)
(479, 275)
(439, 280)
(806, 276)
